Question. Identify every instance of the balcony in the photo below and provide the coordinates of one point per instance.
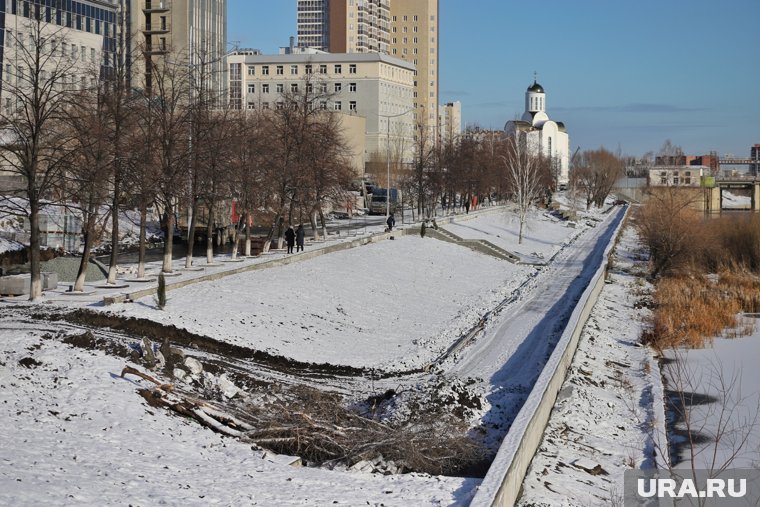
(155, 29)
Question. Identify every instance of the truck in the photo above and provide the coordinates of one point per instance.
(379, 205)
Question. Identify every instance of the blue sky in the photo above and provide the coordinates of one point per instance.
(620, 74)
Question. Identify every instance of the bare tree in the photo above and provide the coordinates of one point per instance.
(89, 120)
(524, 175)
(171, 115)
(35, 143)
(118, 102)
(596, 172)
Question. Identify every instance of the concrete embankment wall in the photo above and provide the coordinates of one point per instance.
(502, 483)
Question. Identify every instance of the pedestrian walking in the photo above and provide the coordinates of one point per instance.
(300, 238)
(391, 222)
(290, 238)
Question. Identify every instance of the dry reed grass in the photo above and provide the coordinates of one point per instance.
(691, 310)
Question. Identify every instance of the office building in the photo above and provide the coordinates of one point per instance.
(373, 86)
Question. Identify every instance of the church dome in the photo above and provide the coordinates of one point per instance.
(535, 87)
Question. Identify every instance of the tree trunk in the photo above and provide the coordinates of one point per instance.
(35, 287)
(280, 231)
(323, 222)
(247, 234)
(142, 240)
(313, 222)
(210, 235)
(85, 260)
(270, 235)
(112, 264)
(191, 233)
(168, 238)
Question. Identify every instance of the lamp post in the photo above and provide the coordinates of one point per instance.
(388, 157)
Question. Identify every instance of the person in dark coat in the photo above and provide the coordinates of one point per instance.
(391, 222)
(290, 238)
(300, 234)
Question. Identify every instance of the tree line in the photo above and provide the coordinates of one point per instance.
(79, 135)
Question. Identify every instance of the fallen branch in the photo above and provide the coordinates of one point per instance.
(133, 371)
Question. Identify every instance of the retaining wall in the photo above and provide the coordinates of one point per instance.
(502, 483)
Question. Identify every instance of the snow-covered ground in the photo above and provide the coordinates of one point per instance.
(76, 433)
(609, 414)
(725, 376)
(397, 303)
(736, 201)
(543, 236)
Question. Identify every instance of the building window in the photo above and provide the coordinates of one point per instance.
(323, 105)
(280, 105)
(338, 69)
(352, 87)
(280, 88)
(265, 70)
(251, 70)
(294, 70)
(294, 87)
(337, 87)
(337, 106)
(675, 180)
(352, 106)
(265, 88)
(251, 88)
(265, 105)
(251, 106)
(307, 68)
(687, 181)
(323, 69)
(280, 70)
(309, 88)
(352, 68)
(323, 88)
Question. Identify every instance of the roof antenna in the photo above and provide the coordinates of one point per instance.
(535, 76)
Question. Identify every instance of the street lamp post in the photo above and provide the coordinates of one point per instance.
(388, 158)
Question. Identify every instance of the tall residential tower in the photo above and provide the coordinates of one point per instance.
(195, 31)
(406, 29)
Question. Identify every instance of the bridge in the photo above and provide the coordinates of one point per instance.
(748, 186)
(753, 163)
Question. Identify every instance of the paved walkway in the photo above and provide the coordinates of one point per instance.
(127, 288)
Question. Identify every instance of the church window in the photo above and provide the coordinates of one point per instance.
(550, 146)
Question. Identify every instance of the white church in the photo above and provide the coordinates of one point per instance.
(543, 136)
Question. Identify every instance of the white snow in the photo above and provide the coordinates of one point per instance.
(609, 412)
(727, 371)
(398, 303)
(736, 201)
(542, 237)
(75, 433)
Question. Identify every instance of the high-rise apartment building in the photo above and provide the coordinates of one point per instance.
(195, 31)
(450, 122)
(344, 26)
(406, 29)
(414, 38)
